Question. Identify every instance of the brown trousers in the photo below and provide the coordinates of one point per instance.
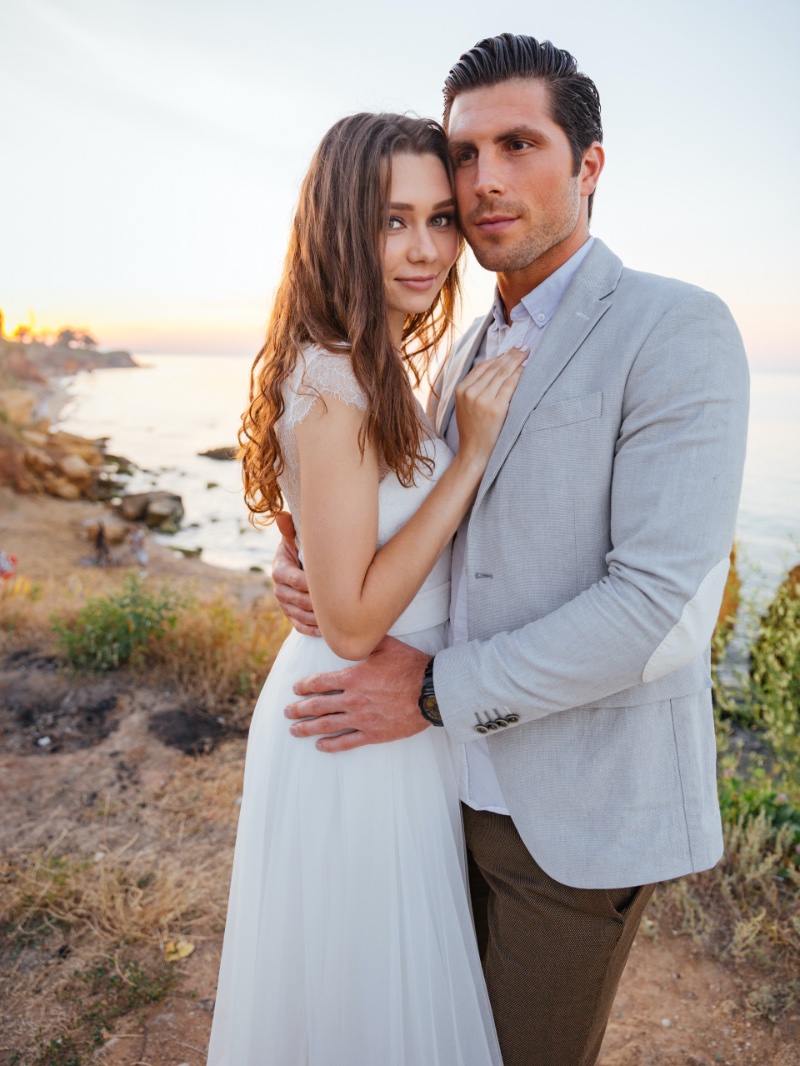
(552, 955)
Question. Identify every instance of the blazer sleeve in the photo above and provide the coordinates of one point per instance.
(675, 490)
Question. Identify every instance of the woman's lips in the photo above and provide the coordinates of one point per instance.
(495, 223)
(418, 284)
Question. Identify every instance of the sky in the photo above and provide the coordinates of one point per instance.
(152, 150)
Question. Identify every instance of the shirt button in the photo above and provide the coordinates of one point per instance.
(540, 317)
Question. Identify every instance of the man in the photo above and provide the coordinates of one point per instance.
(587, 580)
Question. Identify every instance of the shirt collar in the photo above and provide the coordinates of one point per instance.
(540, 304)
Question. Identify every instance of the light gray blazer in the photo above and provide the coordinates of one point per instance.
(597, 555)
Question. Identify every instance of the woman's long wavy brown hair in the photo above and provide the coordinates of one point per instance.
(332, 293)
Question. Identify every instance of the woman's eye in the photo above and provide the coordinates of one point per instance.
(394, 222)
(442, 221)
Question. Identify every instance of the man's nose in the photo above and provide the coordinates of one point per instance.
(488, 178)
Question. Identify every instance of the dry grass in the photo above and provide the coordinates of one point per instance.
(85, 930)
(25, 608)
(218, 653)
(123, 897)
(745, 910)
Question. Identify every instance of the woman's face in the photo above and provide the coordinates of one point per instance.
(421, 236)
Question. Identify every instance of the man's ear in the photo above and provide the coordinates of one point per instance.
(591, 168)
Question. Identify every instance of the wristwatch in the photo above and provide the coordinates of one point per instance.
(429, 708)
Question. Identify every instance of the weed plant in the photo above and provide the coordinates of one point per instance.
(747, 909)
(109, 631)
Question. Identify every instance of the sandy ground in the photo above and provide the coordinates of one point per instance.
(120, 788)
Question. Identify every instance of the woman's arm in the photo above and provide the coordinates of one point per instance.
(359, 592)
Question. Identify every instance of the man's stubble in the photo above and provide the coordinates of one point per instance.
(543, 233)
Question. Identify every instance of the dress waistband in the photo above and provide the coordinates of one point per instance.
(429, 608)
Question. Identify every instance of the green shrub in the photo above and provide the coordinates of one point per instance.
(775, 670)
(756, 795)
(109, 631)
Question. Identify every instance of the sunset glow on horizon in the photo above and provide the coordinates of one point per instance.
(155, 151)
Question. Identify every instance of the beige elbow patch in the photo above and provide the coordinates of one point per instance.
(693, 631)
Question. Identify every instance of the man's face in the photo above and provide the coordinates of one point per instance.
(517, 195)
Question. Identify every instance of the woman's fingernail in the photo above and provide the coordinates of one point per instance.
(524, 348)
(293, 731)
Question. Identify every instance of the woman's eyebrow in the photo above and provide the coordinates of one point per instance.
(410, 207)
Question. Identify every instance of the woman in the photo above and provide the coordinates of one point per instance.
(349, 939)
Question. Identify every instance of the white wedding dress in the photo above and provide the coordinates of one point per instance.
(349, 939)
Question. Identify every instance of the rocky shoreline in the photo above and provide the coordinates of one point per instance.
(37, 458)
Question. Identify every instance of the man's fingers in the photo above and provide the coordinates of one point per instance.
(320, 727)
(302, 618)
(290, 597)
(285, 524)
(290, 577)
(345, 742)
(320, 706)
(333, 681)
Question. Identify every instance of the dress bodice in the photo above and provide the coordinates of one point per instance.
(320, 373)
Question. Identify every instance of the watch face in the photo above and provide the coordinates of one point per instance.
(430, 704)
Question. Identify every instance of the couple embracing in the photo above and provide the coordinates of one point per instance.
(511, 595)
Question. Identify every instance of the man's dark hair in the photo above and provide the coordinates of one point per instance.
(574, 100)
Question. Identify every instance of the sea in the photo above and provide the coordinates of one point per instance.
(164, 413)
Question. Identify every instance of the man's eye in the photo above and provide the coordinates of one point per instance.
(460, 159)
(518, 146)
(442, 221)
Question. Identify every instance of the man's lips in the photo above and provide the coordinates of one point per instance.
(495, 223)
(419, 284)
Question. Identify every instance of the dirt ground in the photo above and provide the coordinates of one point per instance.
(125, 779)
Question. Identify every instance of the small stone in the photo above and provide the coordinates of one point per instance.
(43, 742)
(666, 1023)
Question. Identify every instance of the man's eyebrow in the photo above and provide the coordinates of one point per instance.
(516, 133)
(410, 207)
(521, 132)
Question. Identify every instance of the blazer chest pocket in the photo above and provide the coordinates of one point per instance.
(565, 413)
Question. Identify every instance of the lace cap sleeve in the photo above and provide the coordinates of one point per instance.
(321, 373)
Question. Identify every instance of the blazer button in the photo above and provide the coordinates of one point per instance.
(481, 729)
(491, 725)
(502, 723)
(512, 719)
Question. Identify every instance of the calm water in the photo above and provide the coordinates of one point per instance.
(162, 415)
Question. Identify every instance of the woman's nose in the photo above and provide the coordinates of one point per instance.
(423, 248)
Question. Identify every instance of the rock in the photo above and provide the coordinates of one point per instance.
(153, 508)
(38, 461)
(76, 469)
(115, 530)
(223, 454)
(18, 405)
(35, 438)
(70, 444)
(65, 490)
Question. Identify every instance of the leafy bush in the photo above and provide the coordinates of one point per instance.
(775, 670)
(110, 631)
(756, 795)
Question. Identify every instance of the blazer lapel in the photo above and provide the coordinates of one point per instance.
(583, 305)
(458, 366)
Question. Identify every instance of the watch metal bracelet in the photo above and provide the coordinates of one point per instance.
(428, 706)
